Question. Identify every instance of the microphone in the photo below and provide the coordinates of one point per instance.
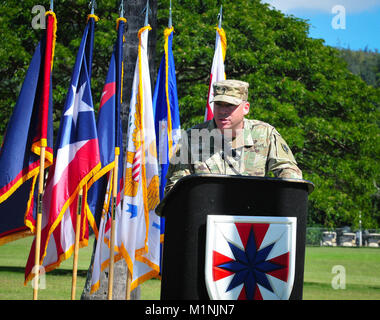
(233, 154)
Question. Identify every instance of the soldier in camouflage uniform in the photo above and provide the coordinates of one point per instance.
(235, 146)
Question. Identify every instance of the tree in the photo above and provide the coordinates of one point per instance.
(329, 116)
(21, 40)
(363, 63)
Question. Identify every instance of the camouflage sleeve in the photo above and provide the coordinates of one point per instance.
(281, 160)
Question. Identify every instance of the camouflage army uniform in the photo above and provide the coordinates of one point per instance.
(259, 149)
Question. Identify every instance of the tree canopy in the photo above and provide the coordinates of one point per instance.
(364, 63)
(328, 115)
(20, 40)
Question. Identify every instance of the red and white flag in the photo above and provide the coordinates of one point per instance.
(217, 69)
(76, 160)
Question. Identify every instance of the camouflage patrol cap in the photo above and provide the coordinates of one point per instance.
(231, 91)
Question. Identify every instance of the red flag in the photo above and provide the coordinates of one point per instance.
(76, 160)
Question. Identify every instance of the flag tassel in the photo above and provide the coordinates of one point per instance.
(38, 224)
(76, 246)
(112, 245)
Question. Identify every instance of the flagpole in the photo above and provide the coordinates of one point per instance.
(113, 220)
(93, 6)
(220, 17)
(114, 198)
(129, 275)
(76, 245)
(39, 212)
(38, 224)
(170, 24)
(147, 13)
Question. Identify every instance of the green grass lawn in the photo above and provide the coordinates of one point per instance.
(362, 271)
(361, 265)
(13, 257)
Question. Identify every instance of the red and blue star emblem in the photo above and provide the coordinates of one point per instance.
(250, 260)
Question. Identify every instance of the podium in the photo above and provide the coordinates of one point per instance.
(193, 198)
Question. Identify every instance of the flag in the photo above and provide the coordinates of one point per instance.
(217, 69)
(76, 160)
(166, 114)
(165, 108)
(29, 129)
(110, 143)
(138, 235)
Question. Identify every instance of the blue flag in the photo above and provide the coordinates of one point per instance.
(166, 113)
(110, 144)
(165, 108)
(29, 129)
(109, 132)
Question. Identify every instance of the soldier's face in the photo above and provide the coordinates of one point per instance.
(229, 116)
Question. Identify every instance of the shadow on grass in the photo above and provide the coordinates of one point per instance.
(56, 272)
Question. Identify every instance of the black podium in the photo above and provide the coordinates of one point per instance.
(194, 197)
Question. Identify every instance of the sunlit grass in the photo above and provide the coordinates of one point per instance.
(361, 266)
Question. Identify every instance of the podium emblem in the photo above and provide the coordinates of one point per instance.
(250, 258)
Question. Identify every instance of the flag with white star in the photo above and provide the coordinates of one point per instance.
(250, 258)
(76, 160)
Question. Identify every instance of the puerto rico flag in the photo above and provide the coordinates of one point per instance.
(29, 129)
(217, 69)
(138, 234)
(250, 258)
(76, 160)
(110, 144)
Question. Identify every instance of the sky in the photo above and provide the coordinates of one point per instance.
(353, 24)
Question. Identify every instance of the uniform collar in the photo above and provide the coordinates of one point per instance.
(247, 142)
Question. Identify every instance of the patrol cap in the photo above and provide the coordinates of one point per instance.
(231, 91)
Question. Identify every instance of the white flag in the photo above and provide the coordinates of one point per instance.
(217, 69)
(103, 244)
(102, 252)
(138, 235)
